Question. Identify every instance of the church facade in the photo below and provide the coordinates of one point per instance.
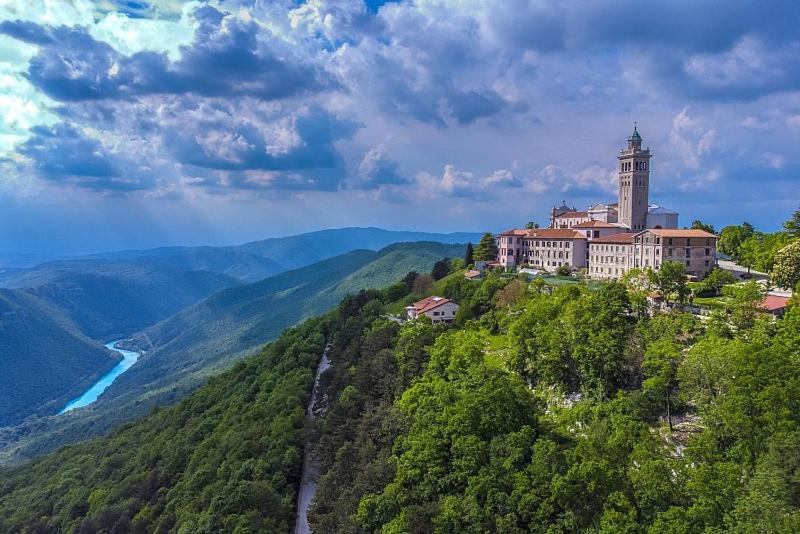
(609, 239)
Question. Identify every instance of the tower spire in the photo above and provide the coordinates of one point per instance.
(634, 183)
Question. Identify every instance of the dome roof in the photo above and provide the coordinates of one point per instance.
(660, 210)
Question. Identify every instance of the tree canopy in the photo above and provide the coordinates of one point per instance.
(486, 249)
(786, 270)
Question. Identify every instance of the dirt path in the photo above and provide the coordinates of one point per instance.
(311, 466)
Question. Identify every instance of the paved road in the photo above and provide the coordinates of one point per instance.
(739, 270)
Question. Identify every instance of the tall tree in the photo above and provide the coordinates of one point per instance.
(792, 226)
(440, 269)
(423, 283)
(468, 256)
(670, 280)
(408, 279)
(745, 305)
(786, 271)
(732, 237)
(487, 248)
(660, 368)
(639, 283)
(532, 225)
(697, 224)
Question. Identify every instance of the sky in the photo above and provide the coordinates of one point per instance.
(132, 124)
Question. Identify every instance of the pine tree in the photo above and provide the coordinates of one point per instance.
(468, 259)
(486, 249)
(441, 269)
(792, 226)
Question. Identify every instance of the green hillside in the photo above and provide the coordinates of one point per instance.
(305, 249)
(45, 360)
(227, 459)
(539, 410)
(183, 350)
(109, 300)
(230, 261)
(256, 260)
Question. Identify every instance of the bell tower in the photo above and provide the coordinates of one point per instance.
(634, 183)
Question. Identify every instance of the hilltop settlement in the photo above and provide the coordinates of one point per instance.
(608, 240)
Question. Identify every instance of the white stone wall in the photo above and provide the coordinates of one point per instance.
(444, 313)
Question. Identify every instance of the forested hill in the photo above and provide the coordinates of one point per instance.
(547, 407)
(112, 299)
(253, 261)
(45, 360)
(187, 348)
(226, 459)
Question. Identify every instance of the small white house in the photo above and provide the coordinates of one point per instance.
(438, 309)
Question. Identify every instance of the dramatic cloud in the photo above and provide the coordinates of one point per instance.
(441, 112)
(377, 169)
(229, 57)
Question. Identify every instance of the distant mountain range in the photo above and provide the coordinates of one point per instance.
(59, 313)
(185, 348)
(256, 260)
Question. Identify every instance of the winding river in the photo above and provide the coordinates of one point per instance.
(91, 394)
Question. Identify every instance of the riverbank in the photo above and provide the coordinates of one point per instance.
(128, 359)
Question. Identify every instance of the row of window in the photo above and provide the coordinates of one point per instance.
(535, 254)
(616, 260)
(633, 166)
(538, 243)
(544, 263)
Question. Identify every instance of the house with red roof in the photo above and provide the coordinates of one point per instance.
(438, 309)
(775, 305)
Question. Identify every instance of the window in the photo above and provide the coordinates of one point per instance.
(436, 314)
(687, 263)
(708, 252)
(669, 241)
(706, 263)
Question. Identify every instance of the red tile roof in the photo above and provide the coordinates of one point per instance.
(597, 224)
(624, 238)
(774, 303)
(515, 231)
(429, 303)
(555, 233)
(552, 233)
(472, 274)
(573, 215)
(676, 232)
